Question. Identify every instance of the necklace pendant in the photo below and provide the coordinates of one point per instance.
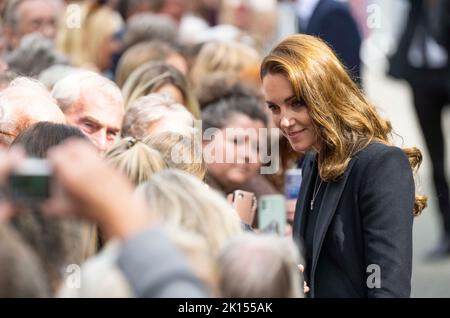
(312, 205)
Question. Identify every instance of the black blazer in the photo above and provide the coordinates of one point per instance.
(332, 21)
(364, 218)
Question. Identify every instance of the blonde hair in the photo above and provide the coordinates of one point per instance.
(139, 54)
(180, 152)
(196, 250)
(149, 77)
(344, 119)
(137, 160)
(180, 199)
(227, 57)
(82, 44)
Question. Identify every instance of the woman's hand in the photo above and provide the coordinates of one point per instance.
(290, 209)
(305, 286)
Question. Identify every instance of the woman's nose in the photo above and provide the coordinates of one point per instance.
(285, 122)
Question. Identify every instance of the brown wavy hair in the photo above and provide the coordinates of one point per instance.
(345, 121)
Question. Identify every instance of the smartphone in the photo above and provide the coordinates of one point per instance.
(292, 183)
(272, 214)
(244, 203)
(30, 182)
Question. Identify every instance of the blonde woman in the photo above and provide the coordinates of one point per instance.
(135, 159)
(159, 77)
(91, 44)
(180, 199)
(357, 202)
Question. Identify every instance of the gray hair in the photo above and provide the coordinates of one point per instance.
(68, 90)
(11, 17)
(150, 109)
(35, 54)
(149, 26)
(260, 266)
(21, 104)
(50, 76)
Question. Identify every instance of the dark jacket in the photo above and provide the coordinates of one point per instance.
(419, 18)
(332, 21)
(364, 218)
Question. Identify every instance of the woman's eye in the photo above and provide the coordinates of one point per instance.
(297, 104)
(273, 108)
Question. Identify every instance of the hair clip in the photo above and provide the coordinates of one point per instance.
(131, 142)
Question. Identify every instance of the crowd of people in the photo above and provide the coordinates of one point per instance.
(150, 112)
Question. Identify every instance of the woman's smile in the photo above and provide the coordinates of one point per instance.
(294, 135)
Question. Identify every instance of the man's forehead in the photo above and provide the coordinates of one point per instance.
(25, 4)
(103, 112)
(18, 104)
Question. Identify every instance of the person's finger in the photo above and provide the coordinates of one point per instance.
(306, 289)
(9, 159)
(301, 268)
(6, 211)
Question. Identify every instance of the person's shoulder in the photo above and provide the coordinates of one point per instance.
(377, 151)
(335, 7)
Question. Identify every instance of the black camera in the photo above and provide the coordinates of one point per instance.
(30, 182)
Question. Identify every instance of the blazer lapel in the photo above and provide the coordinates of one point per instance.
(327, 210)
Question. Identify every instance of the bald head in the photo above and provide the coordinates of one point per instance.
(23, 103)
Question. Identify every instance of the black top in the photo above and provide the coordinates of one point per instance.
(317, 190)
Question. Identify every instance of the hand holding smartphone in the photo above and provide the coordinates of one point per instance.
(245, 205)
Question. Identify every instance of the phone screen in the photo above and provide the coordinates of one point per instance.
(272, 214)
(30, 181)
(293, 181)
(31, 187)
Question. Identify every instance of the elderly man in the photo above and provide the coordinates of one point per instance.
(92, 103)
(23, 103)
(27, 16)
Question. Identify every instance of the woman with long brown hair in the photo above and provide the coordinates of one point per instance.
(355, 210)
